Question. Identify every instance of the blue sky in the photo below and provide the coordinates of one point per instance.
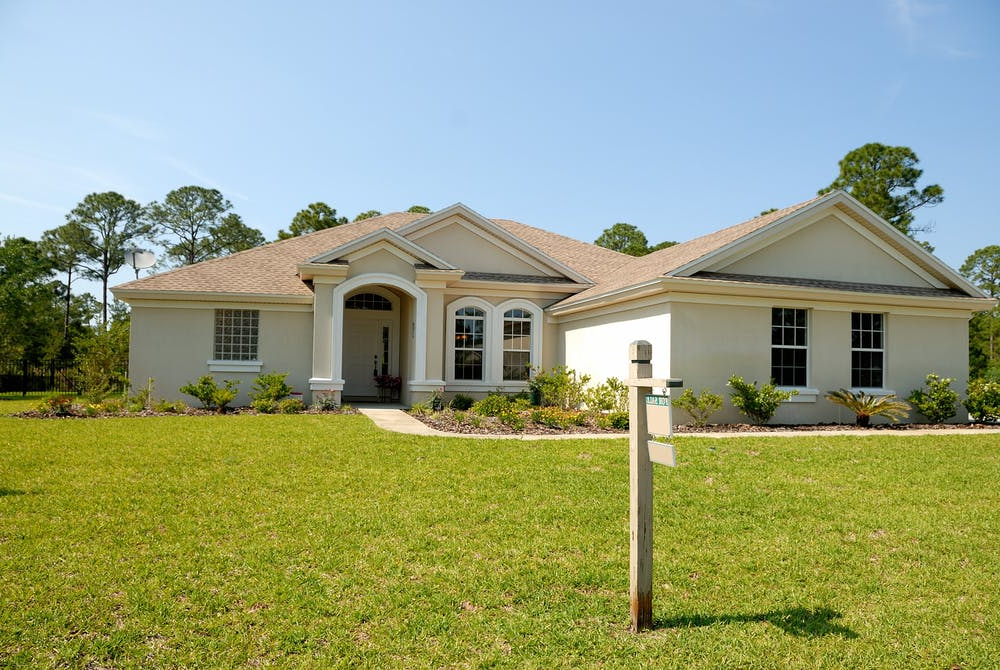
(680, 118)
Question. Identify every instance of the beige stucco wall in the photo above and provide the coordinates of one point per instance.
(598, 345)
(472, 252)
(830, 249)
(173, 344)
(711, 342)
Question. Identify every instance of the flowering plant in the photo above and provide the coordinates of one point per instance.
(388, 381)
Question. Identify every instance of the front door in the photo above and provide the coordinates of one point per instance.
(369, 351)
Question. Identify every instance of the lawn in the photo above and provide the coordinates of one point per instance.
(320, 541)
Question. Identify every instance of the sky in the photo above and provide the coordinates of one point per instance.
(678, 118)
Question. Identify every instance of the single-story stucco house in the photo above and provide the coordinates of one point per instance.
(817, 296)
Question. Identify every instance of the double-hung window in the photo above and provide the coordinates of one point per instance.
(516, 345)
(470, 323)
(789, 346)
(867, 350)
(236, 334)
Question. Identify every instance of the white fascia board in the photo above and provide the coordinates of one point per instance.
(383, 235)
(132, 296)
(509, 238)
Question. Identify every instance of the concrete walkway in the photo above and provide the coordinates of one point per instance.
(398, 421)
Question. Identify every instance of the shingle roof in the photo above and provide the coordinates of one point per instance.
(272, 269)
(663, 262)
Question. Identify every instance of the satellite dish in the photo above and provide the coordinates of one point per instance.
(140, 259)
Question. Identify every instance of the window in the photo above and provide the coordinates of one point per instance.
(789, 346)
(369, 301)
(516, 345)
(236, 332)
(867, 350)
(470, 325)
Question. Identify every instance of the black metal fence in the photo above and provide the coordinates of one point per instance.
(22, 377)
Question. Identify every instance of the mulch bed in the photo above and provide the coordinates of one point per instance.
(445, 421)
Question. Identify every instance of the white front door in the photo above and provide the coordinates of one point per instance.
(369, 351)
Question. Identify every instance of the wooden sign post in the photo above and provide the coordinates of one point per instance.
(641, 448)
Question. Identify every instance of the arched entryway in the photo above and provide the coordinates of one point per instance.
(371, 343)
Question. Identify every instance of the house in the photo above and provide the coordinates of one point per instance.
(817, 296)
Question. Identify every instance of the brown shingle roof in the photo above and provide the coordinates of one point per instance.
(663, 262)
(272, 269)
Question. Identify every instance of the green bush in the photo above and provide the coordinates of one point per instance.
(324, 402)
(291, 406)
(167, 407)
(866, 406)
(57, 405)
(492, 405)
(936, 401)
(615, 420)
(143, 397)
(270, 386)
(211, 395)
(759, 405)
(559, 386)
(699, 407)
(462, 402)
(983, 401)
(610, 396)
(264, 405)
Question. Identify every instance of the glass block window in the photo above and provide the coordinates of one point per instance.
(369, 301)
(470, 326)
(867, 350)
(789, 346)
(516, 345)
(236, 332)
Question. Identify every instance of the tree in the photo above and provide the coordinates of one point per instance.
(982, 267)
(370, 214)
(109, 223)
(30, 318)
(419, 209)
(232, 235)
(627, 239)
(884, 178)
(63, 246)
(188, 215)
(317, 216)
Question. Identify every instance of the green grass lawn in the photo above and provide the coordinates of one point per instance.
(320, 541)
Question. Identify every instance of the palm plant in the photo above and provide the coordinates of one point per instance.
(866, 406)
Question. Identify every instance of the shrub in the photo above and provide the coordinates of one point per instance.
(270, 386)
(57, 405)
(291, 406)
(759, 405)
(324, 403)
(143, 398)
(264, 405)
(421, 409)
(699, 407)
(936, 401)
(492, 405)
(615, 420)
(983, 401)
(610, 396)
(553, 417)
(462, 402)
(114, 405)
(866, 406)
(559, 386)
(211, 395)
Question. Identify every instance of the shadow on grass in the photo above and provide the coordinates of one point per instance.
(799, 621)
(11, 492)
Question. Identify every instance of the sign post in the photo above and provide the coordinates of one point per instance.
(642, 454)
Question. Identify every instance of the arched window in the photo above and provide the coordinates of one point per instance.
(516, 345)
(470, 329)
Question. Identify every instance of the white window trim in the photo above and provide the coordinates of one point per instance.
(488, 340)
(885, 356)
(492, 344)
(806, 393)
(234, 366)
(534, 353)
